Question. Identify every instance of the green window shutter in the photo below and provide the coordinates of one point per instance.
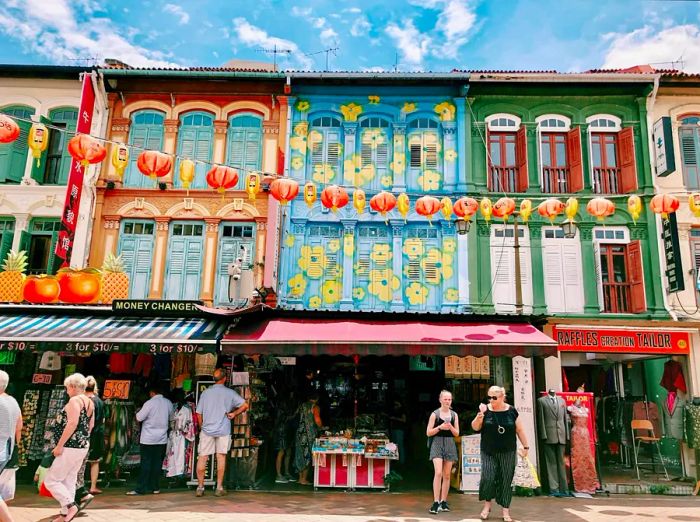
(38, 171)
(25, 240)
(54, 261)
(13, 156)
(6, 244)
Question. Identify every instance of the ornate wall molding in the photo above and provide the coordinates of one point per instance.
(483, 230)
(638, 231)
(350, 128)
(220, 126)
(271, 127)
(162, 223)
(212, 224)
(171, 126)
(586, 231)
(121, 124)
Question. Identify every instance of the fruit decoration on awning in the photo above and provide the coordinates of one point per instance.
(38, 140)
(600, 208)
(504, 208)
(664, 204)
(403, 205)
(359, 200)
(86, 149)
(154, 164)
(428, 206)
(284, 190)
(334, 197)
(465, 207)
(634, 207)
(120, 158)
(310, 193)
(550, 208)
(9, 130)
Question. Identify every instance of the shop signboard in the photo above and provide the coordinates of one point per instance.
(41, 378)
(672, 254)
(471, 463)
(157, 307)
(106, 347)
(524, 398)
(618, 340)
(664, 158)
(114, 389)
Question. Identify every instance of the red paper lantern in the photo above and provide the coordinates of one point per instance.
(86, 149)
(383, 202)
(428, 206)
(284, 190)
(664, 204)
(503, 208)
(550, 208)
(154, 164)
(600, 208)
(334, 197)
(465, 208)
(9, 130)
(222, 177)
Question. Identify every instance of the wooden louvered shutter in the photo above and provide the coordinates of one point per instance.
(333, 147)
(430, 146)
(689, 152)
(636, 277)
(202, 153)
(5, 244)
(573, 155)
(553, 279)
(415, 155)
(628, 165)
(521, 159)
(186, 149)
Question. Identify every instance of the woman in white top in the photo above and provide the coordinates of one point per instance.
(10, 434)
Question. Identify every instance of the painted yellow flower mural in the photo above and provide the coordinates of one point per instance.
(303, 105)
(413, 247)
(436, 265)
(312, 261)
(297, 162)
(314, 302)
(323, 173)
(373, 100)
(331, 292)
(383, 283)
(409, 107)
(298, 143)
(429, 180)
(297, 285)
(416, 293)
(360, 268)
(301, 128)
(348, 244)
(450, 155)
(355, 173)
(333, 245)
(373, 138)
(446, 111)
(351, 111)
(381, 253)
(452, 295)
(449, 245)
(289, 240)
(315, 138)
(358, 293)
(386, 181)
(398, 164)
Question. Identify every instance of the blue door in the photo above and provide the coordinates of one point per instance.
(232, 236)
(244, 148)
(184, 263)
(374, 282)
(136, 242)
(423, 270)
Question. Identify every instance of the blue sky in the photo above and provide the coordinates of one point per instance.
(429, 35)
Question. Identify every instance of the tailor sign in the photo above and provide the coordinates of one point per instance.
(609, 340)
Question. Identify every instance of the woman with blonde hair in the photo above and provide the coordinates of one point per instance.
(499, 424)
(443, 427)
(73, 426)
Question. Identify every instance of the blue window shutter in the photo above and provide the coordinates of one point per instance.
(193, 268)
(195, 141)
(361, 274)
(689, 151)
(244, 150)
(148, 136)
(176, 268)
(185, 254)
(137, 253)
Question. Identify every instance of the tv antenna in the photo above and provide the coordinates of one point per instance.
(328, 52)
(274, 52)
(673, 63)
(89, 60)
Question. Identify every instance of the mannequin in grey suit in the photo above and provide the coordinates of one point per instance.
(553, 427)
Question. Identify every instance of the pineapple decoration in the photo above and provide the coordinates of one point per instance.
(115, 281)
(12, 277)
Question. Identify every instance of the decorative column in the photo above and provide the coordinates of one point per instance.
(270, 139)
(448, 232)
(590, 277)
(260, 240)
(282, 124)
(349, 132)
(160, 253)
(348, 258)
(463, 130)
(120, 134)
(586, 158)
(539, 304)
(211, 243)
(109, 239)
(480, 266)
(219, 148)
(21, 225)
(397, 303)
(533, 160)
(170, 145)
(400, 159)
(449, 147)
(463, 283)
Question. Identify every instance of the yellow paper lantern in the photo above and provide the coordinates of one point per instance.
(446, 207)
(694, 204)
(634, 206)
(486, 208)
(38, 141)
(525, 210)
(403, 205)
(187, 173)
(359, 200)
(571, 208)
(310, 194)
(252, 185)
(120, 158)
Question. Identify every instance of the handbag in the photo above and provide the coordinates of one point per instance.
(525, 474)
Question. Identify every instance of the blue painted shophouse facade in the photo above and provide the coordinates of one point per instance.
(399, 134)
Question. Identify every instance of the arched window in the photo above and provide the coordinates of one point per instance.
(507, 153)
(375, 144)
(689, 137)
(424, 155)
(613, 164)
(195, 140)
(244, 147)
(57, 158)
(13, 156)
(145, 133)
(560, 154)
(325, 145)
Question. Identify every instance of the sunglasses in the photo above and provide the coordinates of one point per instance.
(493, 398)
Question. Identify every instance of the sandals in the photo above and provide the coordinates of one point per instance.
(484, 515)
(507, 518)
(68, 516)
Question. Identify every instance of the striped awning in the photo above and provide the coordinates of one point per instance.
(106, 334)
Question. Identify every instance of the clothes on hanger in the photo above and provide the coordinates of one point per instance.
(646, 410)
(672, 378)
(692, 425)
(178, 454)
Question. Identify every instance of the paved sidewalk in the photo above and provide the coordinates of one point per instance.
(335, 506)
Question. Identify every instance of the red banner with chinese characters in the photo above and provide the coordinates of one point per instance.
(638, 340)
(66, 236)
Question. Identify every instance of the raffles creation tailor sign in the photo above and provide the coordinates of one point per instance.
(69, 219)
(638, 340)
(672, 254)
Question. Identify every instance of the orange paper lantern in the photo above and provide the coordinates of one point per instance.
(465, 208)
(284, 190)
(428, 206)
(222, 177)
(550, 208)
(334, 197)
(86, 149)
(503, 208)
(664, 204)
(600, 208)
(383, 202)
(154, 164)
(9, 130)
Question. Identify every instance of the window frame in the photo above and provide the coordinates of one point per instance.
(317, 124)
(413, 172)
(131, 170)
(388, 130)
(243, 169)
(695, 128)
(202, 166)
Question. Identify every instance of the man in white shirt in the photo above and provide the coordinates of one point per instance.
(10, 434)
(154, 417)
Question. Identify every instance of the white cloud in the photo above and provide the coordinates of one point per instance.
(360, 27)
(53, 30)
(318, 23)
(179, 12)
(455, 22)
(412, 44)
(301, 11)
(648, 45)
(328, 36)
(354, 10)
(253, 36)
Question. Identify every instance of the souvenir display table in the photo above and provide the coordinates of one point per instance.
(340, 462)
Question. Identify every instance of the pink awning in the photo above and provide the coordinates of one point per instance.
(295, 336)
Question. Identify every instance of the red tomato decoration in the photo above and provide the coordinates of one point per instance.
(86, 149)
(79, 286)
(334, 197)
(503, 208)
(550, 208)
(383, 202)
(600, 208)
(154, 164)
(9, 130)
(428, 206)
(284, 190)
(664, 204)
(465, 208)
(222, 177)
(41, 289)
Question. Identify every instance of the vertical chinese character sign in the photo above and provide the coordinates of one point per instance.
(69, 219)
(523, 400)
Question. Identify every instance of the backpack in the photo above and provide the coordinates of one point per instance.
(429, 442)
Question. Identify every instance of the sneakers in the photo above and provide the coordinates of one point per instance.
(133, 493)
(156, 492)
(281, 480)
(444, 506)
(199, 492)
(220, 493)
(434, 508)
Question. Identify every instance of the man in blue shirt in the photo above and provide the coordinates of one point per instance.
(154, 417)
(217, 406)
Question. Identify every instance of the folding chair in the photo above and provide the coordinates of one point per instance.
(646, 427)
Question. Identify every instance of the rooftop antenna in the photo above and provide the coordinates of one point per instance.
(396, 62)
(328, 52)
(274, 51)
(673, 63)
(89, 60)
